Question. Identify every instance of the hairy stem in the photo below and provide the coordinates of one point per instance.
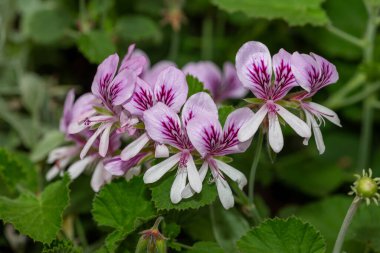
(346, 223)
(255, 162)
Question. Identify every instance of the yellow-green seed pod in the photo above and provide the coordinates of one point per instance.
(151, 240)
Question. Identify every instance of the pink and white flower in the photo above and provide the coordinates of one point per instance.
(211, 141)
(170, 89)
(221, 86)
(312, 73)
(164, 126)
(254, 69)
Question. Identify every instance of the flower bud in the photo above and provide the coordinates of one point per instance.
(366, 187)
(151, 240)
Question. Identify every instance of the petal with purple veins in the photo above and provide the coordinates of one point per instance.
(284, 78)
(104, 75)
(122, 87)
(198, 104)
(142, 99)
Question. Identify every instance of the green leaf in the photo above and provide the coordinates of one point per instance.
(194, 84)
(138, 28)
(61, 247)
(206, 247)
(47, 26)
(50, 141)
(16, 173)
(124, 206)
(223, 112)
(228, 227)
(161, 196)
(39, 217)
(95, 46)
(297, 12)
(282, 236)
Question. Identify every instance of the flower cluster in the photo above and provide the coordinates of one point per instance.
(149, 109)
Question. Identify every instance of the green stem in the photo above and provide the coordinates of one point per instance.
(184, 246)
(346, 223)
(251, 209)
(207, 36)
(174, 46)
(81, 233)
(346, 36)
(360, 96)
(255, 162)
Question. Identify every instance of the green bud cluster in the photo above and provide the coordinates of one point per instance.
(151, 240)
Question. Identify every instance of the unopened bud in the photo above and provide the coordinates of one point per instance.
(151, 240)
(366, 187)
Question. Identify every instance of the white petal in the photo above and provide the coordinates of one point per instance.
(251, 125)
(90, 141)
(326, 112)
(134, 171)
(62, 152)
(300, 127)
(225, 193)
(100, 177)
(52, 173)
(161, 151)
(232, 173)
(134, 147)
(193, 175)
(78, 167)
(188, 191)
(276, 140)
(308, 122)
(104, 141)
(318, 136)
(76, 127)
(155, 172)
(178, 186)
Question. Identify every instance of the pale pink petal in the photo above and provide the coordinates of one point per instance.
(188, 191)
(142, 99)
(67, 111)
(133, 61)
(105, 140)
(134, 171)
(234, 122)
(163, 126)
(325, 112)
(232, 87)
(155, 172)
(225, 193)
(250, 127)
(232, 173)
(198, 104)
(305, 70)
(284, 78)
(104, 75)
(116, 166)
(171, 88)
(161, 151)
(100, 177)
(276, 139)
(254, 67)
(52, 173)
(206, 72)
(178, 186)
(205, 133)
(318, 136)
(328, 72)
(150, 76)
(299, 126)
(62, 152)
(133, 148)
(193, 175)
(122, 87)
(91, 141)
(79, 166)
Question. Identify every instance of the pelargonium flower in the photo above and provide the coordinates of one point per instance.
(171, 89)
(312, 73)
(211, 141)
(254, 69)
(151, 74)
(164, 126)
(221, 86)
(112, 89)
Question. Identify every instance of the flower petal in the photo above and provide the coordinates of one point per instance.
(116, 166)
(105, 140)
(232, 87)
(104, 75)
(249, 128)
(206, 72)
(134, 61)
(178, 186)
(134, 171)
(276, 139)
(163, 126)
(133, 148)
(67, 111)
(122, 87)
(161, 151)
(233, 123)
(193, 175)
(78, 167)
(232, 173)
(225, 193)
(155, 172)
(91, 141)
(198, 104)
(62, 152)
(299, 126)
(205, 133)
(284, 78)
(188, 191)
(52, 173)
(171, 88)
(151, 75)
(100, 177)
(325, 112)
(318, 136)
(254, 67)
(142, 99)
